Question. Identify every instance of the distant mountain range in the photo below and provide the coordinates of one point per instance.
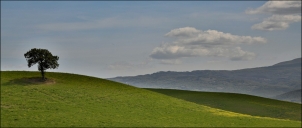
(267, 81)
(293, 96)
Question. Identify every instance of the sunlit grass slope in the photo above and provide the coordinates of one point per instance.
(240, 103)
(76, 100)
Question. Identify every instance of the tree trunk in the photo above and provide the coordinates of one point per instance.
(43, 77)
(42, 72)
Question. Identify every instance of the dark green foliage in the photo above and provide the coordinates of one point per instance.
(44, 59)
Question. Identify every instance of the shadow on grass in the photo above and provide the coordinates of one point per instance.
(25, 81)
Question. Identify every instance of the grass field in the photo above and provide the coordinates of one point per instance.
(240, 103)
(76, 100)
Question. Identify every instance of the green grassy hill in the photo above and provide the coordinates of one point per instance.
(76, 100)
(240, 103)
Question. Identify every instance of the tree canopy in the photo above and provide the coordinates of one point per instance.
(44, 59)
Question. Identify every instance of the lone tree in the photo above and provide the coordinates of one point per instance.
(44, 59)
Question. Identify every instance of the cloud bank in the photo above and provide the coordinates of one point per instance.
(191, 42)
(277, 22)
(283, 13)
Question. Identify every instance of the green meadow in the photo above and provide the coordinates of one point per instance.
(70, 100)
(240, 103)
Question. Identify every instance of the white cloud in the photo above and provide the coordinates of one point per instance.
(191, 42)
(238, 54)
(285, 18)
(277, 7)
(214, 37)
(277, 22)
(183, 32)
(284, 13)
(173, 51)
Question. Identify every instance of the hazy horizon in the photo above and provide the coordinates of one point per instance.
(126, 38)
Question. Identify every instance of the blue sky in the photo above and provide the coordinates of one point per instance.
(121, 38)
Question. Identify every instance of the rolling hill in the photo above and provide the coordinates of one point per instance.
(240, 103)
(293, 96)
(70, 100)
(262, 81)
